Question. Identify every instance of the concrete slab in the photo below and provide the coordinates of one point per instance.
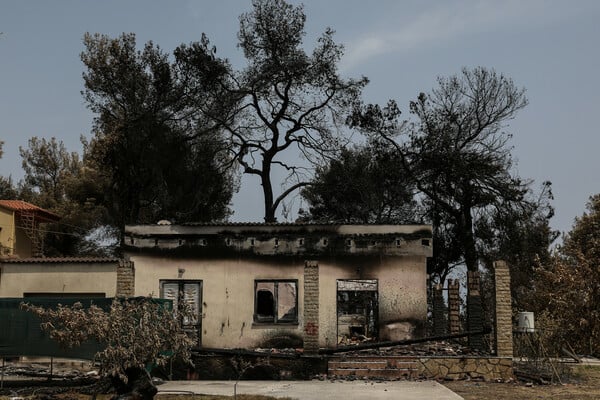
(318, 390)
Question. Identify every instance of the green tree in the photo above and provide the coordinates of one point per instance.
(568, 286)
(134, 334)
(363, 185)
(520, 234)
(285, 103)
(159, 159)
(7, 188)
(56, 179)
(48, 166)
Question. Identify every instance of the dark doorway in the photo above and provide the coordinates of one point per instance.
(357, 311)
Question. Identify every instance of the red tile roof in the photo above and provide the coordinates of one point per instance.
(20, 205)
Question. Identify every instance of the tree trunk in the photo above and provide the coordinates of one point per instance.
(267, 186)
(139, 386)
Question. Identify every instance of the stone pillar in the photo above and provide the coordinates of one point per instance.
(503, 320)
(438, 311)
(474, 310)
(125, 279)
(311, 307)
(454, 306)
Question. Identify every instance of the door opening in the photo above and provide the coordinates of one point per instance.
(189, 293)
(357, 311)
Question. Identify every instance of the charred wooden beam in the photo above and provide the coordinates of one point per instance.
(378, 345)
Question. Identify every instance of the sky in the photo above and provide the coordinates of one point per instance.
(552, 48)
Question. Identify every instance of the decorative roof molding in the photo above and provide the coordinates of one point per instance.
(280, 239)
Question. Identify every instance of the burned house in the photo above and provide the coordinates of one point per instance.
(296, 285)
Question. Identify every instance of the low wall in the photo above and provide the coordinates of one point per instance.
(486, 368)
(268, 367)
(256, 367)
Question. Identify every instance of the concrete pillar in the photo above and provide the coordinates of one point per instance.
(311, 307)
(474, 310)
(503, 320)
(438, 311)
(454, 306)
(125, 279)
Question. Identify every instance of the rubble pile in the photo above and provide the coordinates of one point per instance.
(24, 377)
(429, 349)
(41, 371)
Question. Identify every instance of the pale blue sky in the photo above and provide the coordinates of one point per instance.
(550, 47)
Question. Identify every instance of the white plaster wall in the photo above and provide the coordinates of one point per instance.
(19, 278)
(7, 231)
(228, 292)
(401, 285)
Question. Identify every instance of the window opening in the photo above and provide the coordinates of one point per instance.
(276, 301)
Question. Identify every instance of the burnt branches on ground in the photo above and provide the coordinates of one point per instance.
(134, 333)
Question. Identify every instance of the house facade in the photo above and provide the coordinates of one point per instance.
(20, 228)
(307, 285)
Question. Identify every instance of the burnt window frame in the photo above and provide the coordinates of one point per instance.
(261, 320)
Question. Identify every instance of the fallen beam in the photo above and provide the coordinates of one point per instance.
(377, 345)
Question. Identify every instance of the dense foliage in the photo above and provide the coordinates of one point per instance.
(567, 287)
(57, 180)
(364, 185)
(157, 156)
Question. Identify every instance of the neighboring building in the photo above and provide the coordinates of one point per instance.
(20, 228)
(59, 277)
(24, 272)
(253, 284)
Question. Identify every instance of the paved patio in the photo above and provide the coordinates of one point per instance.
(318, 390)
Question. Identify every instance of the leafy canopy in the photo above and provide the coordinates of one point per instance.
(159, 159)
(568, 286)
(364, 185)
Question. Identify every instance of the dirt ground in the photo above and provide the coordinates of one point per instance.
(584, 385)
(78, 396)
